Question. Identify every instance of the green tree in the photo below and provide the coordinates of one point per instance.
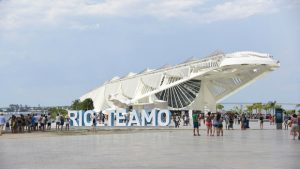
(257, 106)
(290, 112)
(87, 104)
(54, 111)
(298, 106)
(219, 106)
(266, 107)
(272, 105)
(76, 105)
(249, 108)
(278, 106)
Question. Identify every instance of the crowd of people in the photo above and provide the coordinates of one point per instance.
(32, 122)
(213, 122)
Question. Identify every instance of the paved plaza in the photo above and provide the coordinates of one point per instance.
(150, 148)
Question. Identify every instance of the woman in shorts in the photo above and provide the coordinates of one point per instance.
(219, 120)
(294, 125)
(209, 123)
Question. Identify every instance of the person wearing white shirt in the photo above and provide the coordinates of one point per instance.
(2, 122)
(57, 121)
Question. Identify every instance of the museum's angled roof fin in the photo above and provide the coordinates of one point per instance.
(191, 59)
(215, 53)
(115, 78)
(146, 70)
(130, 74)
(165, 66)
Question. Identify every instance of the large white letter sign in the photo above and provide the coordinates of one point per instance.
(149, 118)
(120, 118)
(111, 118)
(167, 120)
(155, 117)
(134, 119)
(85, 119)
(73, 118)
(80, 116)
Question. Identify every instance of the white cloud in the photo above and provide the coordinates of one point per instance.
(35, 13)
(173, 8)
(239, 9)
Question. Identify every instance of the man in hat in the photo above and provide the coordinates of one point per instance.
(2, 122)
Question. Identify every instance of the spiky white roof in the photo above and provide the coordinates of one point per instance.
(193, 84)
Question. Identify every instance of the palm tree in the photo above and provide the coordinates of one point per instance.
(273, 106)
(250, 108)
(266, 107)
(297, 106)
(257, 107)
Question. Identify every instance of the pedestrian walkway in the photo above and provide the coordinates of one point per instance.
(176, 149)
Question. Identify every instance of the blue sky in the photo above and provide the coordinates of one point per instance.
(53, 51)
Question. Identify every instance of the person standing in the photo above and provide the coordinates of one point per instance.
(2, 123)
(23, 123)
(239, 119)
(68, 123)
(243, 122)
(28, 123)
(261, 119)
(286, 122)
(177, 121)
(195, 123)
(32, 126)
(36, 122)
(231, 121)
(298, 125)
(62, 122)
(94, 121)
(294, 126)
(215, 124)
(184, 120)
(43, 121)
(49, 121)
(219, 120)
(226, 121)
(57, 121)
(199, 119)
(271, 119)
(209, 124)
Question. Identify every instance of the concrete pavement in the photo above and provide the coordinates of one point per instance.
(169, 148)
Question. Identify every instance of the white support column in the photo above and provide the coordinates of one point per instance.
(205, 101)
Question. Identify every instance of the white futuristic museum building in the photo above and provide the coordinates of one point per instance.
(196, 84)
